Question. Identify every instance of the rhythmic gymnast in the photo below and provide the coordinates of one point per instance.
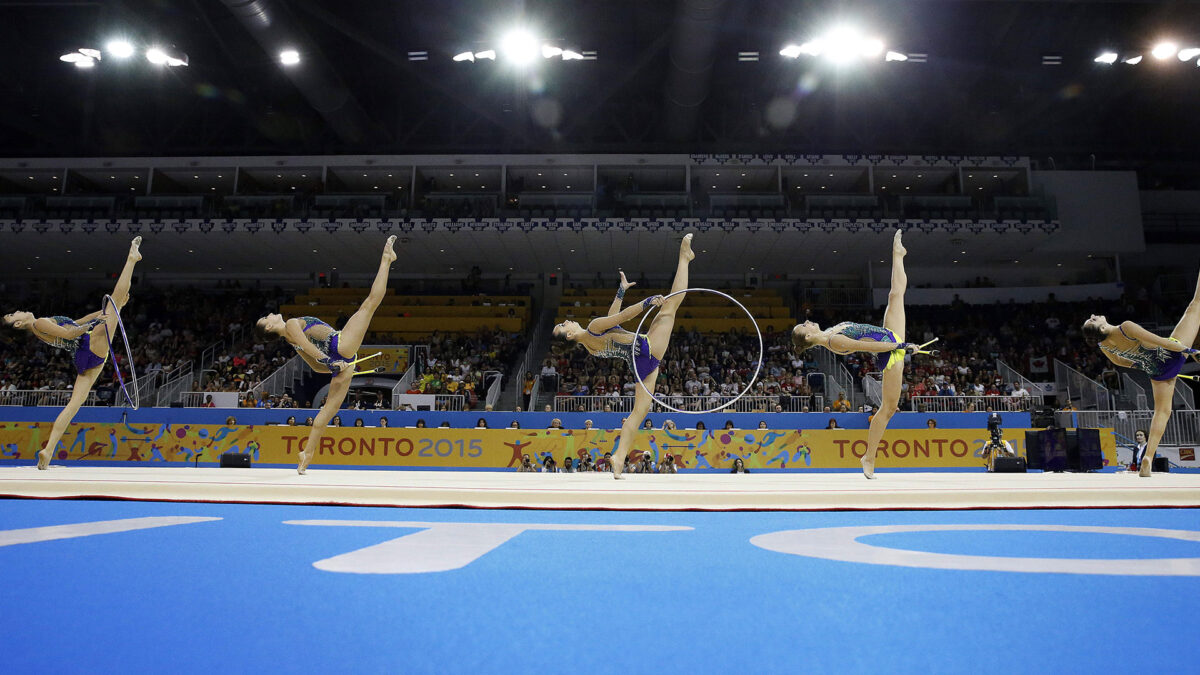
(605, 338)
(87, 338)
(1131, 346)
(328, 351)
(887, 343)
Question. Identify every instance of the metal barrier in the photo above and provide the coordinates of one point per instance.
(493, 390)
(1183, 396)
(282, 379)
(46, 397)
(451, 401)
(1010, 374)
(1090, 394)
(1133, 393)
(689, 403)
(170, 391)
(403, 385)
(837, 378)
(873, 388)
(972, 403)
(1182, 429)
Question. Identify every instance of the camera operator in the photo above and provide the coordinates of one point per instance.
(667, 465)
(646, 463)
(996, 444)
(526, 465)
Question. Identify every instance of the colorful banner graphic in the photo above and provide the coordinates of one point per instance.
(503, 448)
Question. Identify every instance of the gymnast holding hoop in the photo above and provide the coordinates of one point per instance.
(88, 338)
(605, 338)
(326, 350)
(887, 343)
(1131, 346)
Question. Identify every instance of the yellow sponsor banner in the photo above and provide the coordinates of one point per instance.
(503, 448)
(393, 360)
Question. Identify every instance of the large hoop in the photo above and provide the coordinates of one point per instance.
(135, 400)
(757, 366)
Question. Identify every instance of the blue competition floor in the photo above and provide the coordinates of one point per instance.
(241, 594)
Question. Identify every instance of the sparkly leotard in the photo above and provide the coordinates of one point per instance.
(865, 331)
(81, 347)
(639, 358)
(328, 344)
(1157, 362)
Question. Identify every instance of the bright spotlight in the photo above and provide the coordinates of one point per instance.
(289, 57)
(813, 47)
(519, 46)
(1134, 60)
(550, 51)
(73, 57)
(790, 51)
(1107, 58)
(156, 56)
(1164, 50)
(895, 56)
(91, 53)
(121, 49)
(842, 44)
(486, 54)
(871, 47)
(85, 63)
(465, 56)
(1188, 54)
(569, 55)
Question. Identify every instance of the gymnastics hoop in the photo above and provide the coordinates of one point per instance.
(735, 399)
(135, 400)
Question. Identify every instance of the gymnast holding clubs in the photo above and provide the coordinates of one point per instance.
(88, 338)
(886, 342)
(604, 337)
(326, 350)
(1131, 346)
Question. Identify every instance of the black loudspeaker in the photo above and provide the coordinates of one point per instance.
(1160, 465)
(1054, 449)
(1008, 465)
(1033, 449)
(235, 460)
(176, 404)
(1089, 455)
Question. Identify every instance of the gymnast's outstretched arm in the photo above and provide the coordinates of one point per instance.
(1148, 339)
(45, 326)
(629, 313)
(842, 344)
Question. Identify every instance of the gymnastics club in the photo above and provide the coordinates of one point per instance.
(921, 348)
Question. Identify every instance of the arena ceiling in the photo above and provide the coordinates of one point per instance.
(377, 76)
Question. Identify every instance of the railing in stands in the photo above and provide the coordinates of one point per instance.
(1012, 375)
(972, 403)
(533, 393)
(1091, 394)
(837, 378)
(1183, 396)
(211, 353)
(170, 391)
(405, 383)
(493, 390)
(1134, 393)
(1182, 429)
(688, 403)
(279, 381)
(873, 388)
(46, 397)
(451, 401)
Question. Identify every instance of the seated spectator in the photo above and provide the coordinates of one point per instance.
(444, 425)
(481, 424)
(568, 465)
(526, 465)
(291, 421)
(832, 424)
(930, 423)
(549, 465)
(667, 465)
(514, 425)
(358, 422)
(739, 466)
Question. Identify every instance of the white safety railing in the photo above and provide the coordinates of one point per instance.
(212, 352)
(283, 378)
(687, 403)
(450, 401)
(493, 390)
(170, 391)
(1011, 375)
(837, 378)
(47, 397)
(972, 403)
(1090, 394)
(1134, 393)
(873, 388)
(1182, 429)
(534, 392)
(405, 384)
(1183, 396)
(147, 385)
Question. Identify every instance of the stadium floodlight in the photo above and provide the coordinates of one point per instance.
(1107, 58)
(90, 53)
(519, 47)
(465, 56)
(790, 51)
(156, 56)
(813, 47)
(120, 49)
(1133, 61)
(486, 54)
(73, 57)
(550, 51)
(1188, 54)
(895, 56)
(289, 57)
(1164, 50)
(570, 55)
(85, 63)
